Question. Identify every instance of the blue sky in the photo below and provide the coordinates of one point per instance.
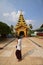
(32, 11)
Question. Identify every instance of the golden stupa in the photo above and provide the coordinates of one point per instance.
(21, 27)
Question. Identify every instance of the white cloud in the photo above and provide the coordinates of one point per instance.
(18, 13)
(29, 21)
(13, 16)
(5, 14)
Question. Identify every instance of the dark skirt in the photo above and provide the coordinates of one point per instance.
(18, 54)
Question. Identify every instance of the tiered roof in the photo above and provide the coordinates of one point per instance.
(21, 22)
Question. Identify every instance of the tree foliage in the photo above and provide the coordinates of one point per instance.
(30, 25)
(4, 29)
(11, 27)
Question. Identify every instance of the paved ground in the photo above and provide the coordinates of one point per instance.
(5, 42)
(32, 54)
(37, 40)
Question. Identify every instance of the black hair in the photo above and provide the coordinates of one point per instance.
(19, 37)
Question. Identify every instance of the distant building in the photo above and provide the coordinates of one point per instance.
(21, 27)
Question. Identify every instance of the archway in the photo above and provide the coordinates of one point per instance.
(21, 33)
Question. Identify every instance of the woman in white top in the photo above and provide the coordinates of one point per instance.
(18, 49)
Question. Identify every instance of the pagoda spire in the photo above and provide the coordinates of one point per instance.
(20, 12)
(21, 21)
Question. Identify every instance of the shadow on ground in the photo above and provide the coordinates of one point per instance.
(28, 53)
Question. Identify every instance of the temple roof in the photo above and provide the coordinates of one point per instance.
(21, 22)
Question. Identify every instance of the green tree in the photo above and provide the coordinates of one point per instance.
(30, 25)
(29, 30)
(11, 27)
(4, 29)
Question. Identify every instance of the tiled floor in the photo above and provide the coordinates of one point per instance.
(31, 53)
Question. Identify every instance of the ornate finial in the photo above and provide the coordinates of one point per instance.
(21, 12)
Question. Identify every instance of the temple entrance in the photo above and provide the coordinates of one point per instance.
(21, 33)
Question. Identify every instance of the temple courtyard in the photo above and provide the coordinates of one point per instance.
(32, 52)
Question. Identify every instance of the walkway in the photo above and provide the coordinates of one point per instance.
(31, 53)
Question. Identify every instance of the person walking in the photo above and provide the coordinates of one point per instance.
(18, 50)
